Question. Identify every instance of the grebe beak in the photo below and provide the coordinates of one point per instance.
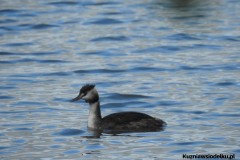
(77, 98)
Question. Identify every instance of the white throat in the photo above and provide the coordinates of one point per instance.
(94, 117)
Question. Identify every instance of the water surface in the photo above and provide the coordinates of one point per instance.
(175, 60)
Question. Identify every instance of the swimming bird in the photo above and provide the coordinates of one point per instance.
(117, 122)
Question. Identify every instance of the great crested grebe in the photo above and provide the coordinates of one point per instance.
(116, 122)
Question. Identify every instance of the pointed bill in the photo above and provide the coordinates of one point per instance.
(77, 98)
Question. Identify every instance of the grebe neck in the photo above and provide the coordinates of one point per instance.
(94, 117)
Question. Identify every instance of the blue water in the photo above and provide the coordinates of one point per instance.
(178, 60)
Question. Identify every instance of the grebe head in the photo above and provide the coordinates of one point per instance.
(87, 93)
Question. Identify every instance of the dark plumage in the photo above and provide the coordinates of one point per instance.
(116, 122)
(86, 88)
(131, 122)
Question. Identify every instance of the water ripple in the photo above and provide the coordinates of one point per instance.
(182, 36)
(26, 60)
(63, 3)
(69, 132)
(225, 115)
(117, 13)
(101, 3)
(194, 17)
(103, 21)
(31, 53)
(29, 103)
(17, 125)
(7, 21)
(3, 147)
(185, 111)
(207, 68)
(206, 46)
(57, 74)
(169, 103)
(25, 27)
(71, 152)
(228, 67)
(102, 53)
(86, 3)
(160, 49)
(36, 75)
(225, 84)
(99, 71)
(175, 49)
(230, 38)
(9, 11)
(7, 87)
(23, 129)
(151, 69)
(110, 38)
(120, 96)
(178, 151)
(43, 26)
(6, 97)
(18, 44)
(194, 143)
(127, 104)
